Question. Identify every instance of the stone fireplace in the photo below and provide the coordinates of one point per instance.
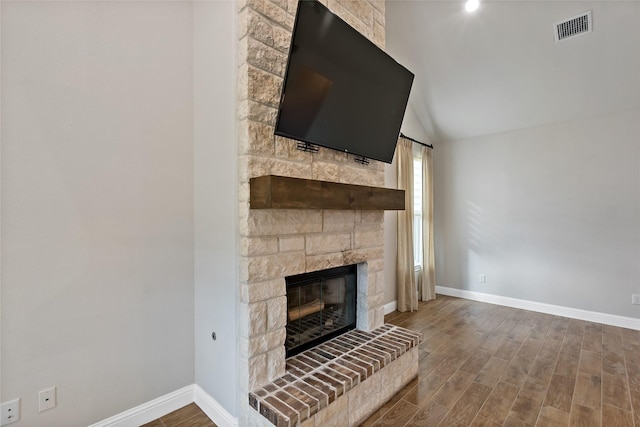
(278, 243)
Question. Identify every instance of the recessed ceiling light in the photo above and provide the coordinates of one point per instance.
(472, 5)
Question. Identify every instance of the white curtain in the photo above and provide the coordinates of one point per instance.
(405, 267)
(427, 289)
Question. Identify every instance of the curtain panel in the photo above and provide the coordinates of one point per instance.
(427, 289)
(405, 268)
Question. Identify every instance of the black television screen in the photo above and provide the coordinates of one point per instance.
(340, 90)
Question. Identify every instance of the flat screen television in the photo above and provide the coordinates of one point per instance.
(340, 90)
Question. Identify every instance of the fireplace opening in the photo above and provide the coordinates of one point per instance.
(320, 305)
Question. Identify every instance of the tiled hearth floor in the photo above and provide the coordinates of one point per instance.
(486, 365)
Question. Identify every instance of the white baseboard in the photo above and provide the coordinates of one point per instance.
(151, 410)
(213, 409)
(390, 307)
(558, 310)
(163, 405)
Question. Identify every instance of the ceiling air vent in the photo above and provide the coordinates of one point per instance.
(574, 26)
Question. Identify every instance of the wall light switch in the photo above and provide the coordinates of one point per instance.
(482, 278)
(635, 299)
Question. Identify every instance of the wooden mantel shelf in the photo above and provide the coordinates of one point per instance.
(280, 192)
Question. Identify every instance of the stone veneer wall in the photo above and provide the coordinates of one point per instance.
(278, 243)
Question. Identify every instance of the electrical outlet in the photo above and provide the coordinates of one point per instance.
(635, 299)
(46, 399)
(10, 412)
(482, 278)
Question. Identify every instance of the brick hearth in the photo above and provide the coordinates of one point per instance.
(317, 378)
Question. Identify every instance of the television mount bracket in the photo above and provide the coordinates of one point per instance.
(307, 147)
(362, 160)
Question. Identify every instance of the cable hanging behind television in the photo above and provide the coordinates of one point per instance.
(340, 90)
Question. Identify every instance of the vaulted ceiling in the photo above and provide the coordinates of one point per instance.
(500, 69)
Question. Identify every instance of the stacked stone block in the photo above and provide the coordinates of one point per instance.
(279, 243)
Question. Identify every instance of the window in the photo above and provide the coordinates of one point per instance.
(417, 210)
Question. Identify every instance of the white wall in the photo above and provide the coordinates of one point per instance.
(549, 214)
(97, 205)
(215, 187)
(411, 127)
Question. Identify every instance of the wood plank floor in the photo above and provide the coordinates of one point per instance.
(487, 365)
(188, 416)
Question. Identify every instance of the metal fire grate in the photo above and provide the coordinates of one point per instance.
(315, 326)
